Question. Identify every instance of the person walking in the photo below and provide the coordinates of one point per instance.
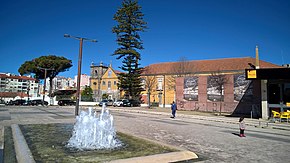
(173, 109)
(242, 127)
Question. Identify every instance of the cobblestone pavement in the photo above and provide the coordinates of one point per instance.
(213, 138)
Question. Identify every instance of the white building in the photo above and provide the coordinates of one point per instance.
(60, 83)
(64, 83)
(12, 86)
(85, 81)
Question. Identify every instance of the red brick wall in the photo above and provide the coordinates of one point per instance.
(228, 105)
(179, 93)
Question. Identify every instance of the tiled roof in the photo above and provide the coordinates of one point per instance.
(16, 77)
(204, 66)
(13, 94)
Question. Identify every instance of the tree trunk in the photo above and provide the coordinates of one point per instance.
(50, 90)
(50, 86)
(221, 103)
(149, 105)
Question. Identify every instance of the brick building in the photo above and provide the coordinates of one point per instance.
(195, 89)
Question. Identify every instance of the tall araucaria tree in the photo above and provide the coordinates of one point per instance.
(52, 64)
(130, 22)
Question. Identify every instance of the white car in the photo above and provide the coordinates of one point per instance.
(118, 102)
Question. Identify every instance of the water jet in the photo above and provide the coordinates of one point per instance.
(92, 131)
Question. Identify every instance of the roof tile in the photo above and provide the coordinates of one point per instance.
(202, 66)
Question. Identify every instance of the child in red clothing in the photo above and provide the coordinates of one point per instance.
(242, 127)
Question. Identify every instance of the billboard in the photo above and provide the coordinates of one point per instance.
(240, 86)
(190, 90)
(213, 93)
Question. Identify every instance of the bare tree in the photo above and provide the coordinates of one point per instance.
(179, 69)
(182, 67)
(218, 80)
(170, 82)
(150, 83)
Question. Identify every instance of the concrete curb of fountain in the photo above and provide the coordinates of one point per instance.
(160, 158)
(23, 153)
(1, 144)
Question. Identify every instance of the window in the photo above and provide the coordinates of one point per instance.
(110, 73)
(109, 84)
(279, 92)
(115, 82)
(286, 93)
(104, 83)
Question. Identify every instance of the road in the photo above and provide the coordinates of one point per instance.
(212, 141)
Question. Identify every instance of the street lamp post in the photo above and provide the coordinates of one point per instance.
(81, 39)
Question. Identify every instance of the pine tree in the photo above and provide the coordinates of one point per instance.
(130, 22)
(54, 65)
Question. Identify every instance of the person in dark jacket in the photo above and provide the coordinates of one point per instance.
(173, 109)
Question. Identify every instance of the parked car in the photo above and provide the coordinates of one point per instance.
(27, 103)
(131, 103)
(17, 102)
(66, 102)
(38, 102)
(2, 103)
(10, 102)
(135, 102)
(106, 102)
(119, 102)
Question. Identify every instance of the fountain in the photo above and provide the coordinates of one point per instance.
(91, 139)
(94, 132)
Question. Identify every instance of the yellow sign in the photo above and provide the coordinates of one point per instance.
(288, 104)
(251, 74)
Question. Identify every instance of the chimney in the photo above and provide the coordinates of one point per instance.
(257, 58)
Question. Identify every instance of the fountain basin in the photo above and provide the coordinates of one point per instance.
(48, 144)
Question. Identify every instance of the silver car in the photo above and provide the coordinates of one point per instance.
(106, 102)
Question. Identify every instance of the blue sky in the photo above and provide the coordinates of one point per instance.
(195, 29)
